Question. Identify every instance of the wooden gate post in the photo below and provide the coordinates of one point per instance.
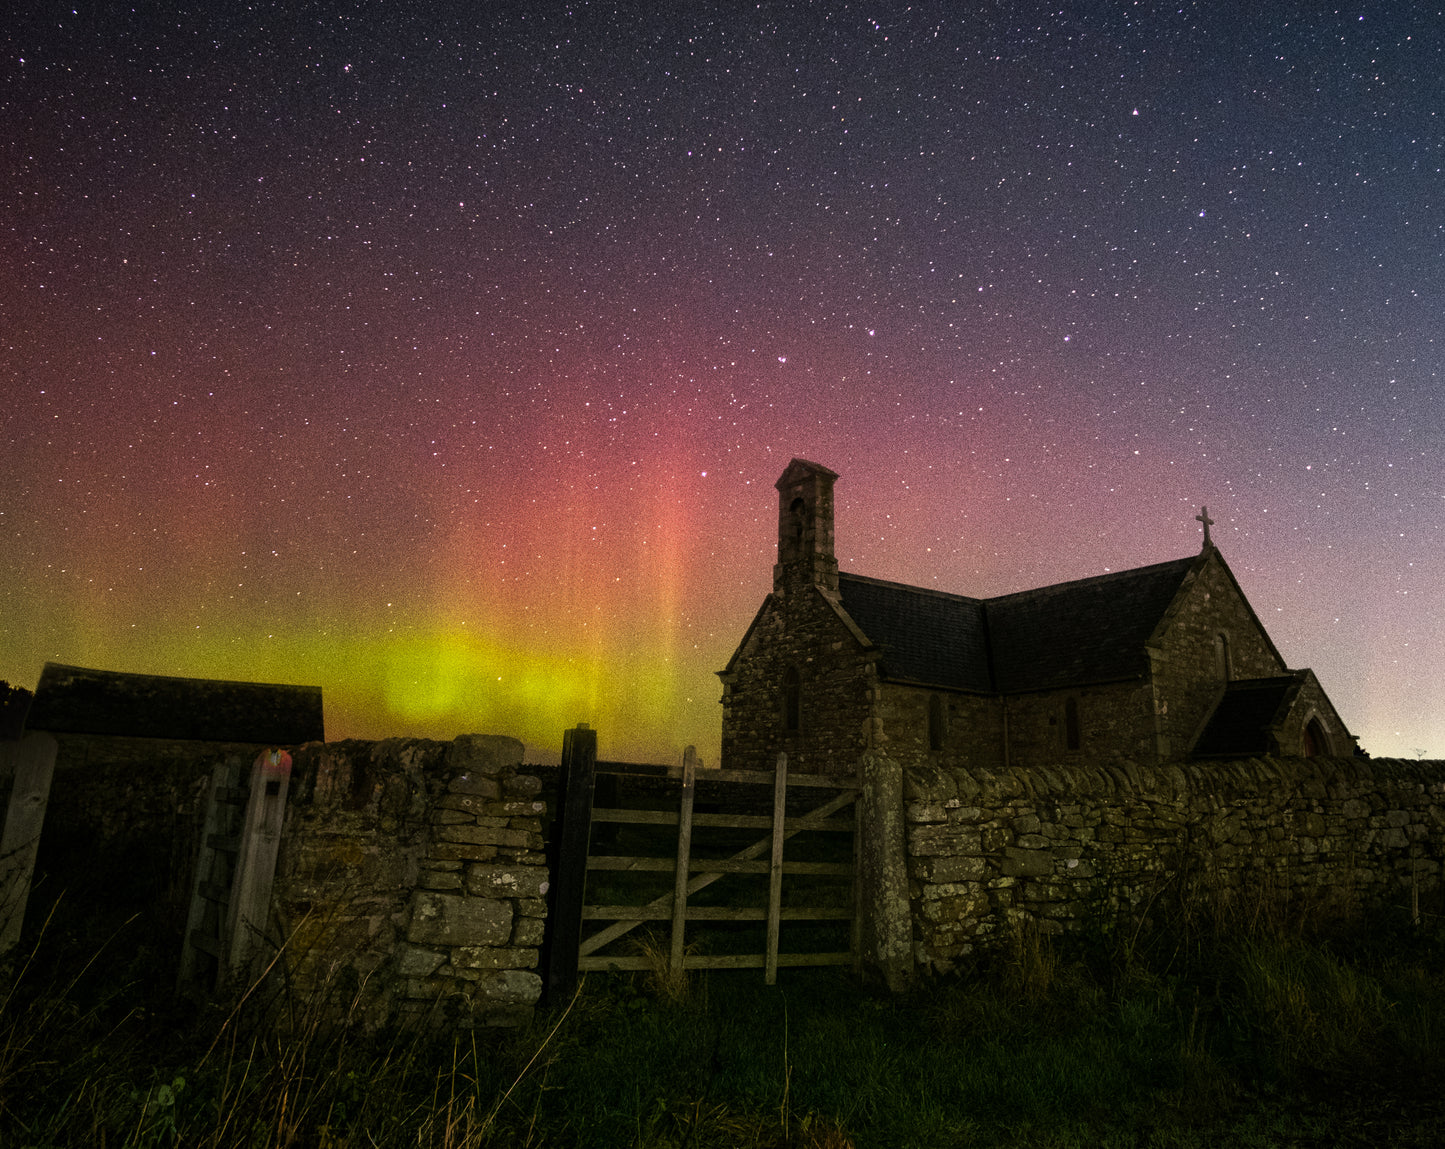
(33, 760)
(684, 858)
(775, 871)
(571, 831)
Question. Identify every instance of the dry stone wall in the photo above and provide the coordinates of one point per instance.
(410, 885)
(412, 881)
(1069, 845)
(123, 821)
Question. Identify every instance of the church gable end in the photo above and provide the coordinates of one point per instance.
(1209, 636)
(801, 682)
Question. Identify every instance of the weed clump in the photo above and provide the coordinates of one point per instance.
(1239, 1025)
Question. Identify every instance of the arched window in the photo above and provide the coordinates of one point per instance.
(937, 722)
(1221, 657)
(1316, 743)
(1071, 724)
(792, 700)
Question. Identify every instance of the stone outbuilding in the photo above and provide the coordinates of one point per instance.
(1144, 666)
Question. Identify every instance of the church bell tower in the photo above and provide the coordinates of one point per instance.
(805, 529)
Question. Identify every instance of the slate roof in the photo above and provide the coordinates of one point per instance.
(926, 636)
(1088, 631)
(1091, 630)
(1248, 712)
(76, 700)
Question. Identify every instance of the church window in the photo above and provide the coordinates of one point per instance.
(1072, 738)
(1315, 743)
(792, 700)
(1221, 657)
(937, 722)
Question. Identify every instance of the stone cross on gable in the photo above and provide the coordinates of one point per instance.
(1203, 517)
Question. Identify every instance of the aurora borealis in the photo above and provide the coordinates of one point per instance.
(445, 355)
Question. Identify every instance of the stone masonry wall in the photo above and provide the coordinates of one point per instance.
(123, 821)
(972, 735)
(1314, 703)
(799, 630)
(1114, 724)
(1187, 678)
(1071, 844)
(412, 881)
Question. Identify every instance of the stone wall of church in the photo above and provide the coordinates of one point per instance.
(1314, 703)
(972, 730)
(1068, 845)
(1188, 677)
(1114, 725)
(836, 681)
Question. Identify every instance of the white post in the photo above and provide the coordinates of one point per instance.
(256, 864)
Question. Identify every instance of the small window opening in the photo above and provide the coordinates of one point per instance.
(1221, 657)
(1071, 724)
(1316, 744)
(792, 700)
(937, 722)
(796, 510)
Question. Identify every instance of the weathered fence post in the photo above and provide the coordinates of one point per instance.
(684, 856)
(775, 871)
(250, 906)
(33, 763)
(571, 831)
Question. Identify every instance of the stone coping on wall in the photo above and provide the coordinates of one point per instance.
(1222, 778)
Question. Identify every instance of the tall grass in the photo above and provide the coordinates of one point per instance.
(1246, 1027)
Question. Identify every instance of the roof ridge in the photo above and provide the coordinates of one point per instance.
(1069, 583)
(849, 575)
(1108, 576)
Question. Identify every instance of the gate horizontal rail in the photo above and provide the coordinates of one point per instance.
(717, 913)
(721, 821)
(628, 962)
(691, 873)
(717, 865)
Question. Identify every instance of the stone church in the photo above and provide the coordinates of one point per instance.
(1145, 666)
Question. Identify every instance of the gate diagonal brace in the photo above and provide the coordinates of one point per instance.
(757, 849)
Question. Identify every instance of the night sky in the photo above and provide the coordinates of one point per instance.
(445, 355)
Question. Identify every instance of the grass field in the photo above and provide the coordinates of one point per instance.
(1259, 1034)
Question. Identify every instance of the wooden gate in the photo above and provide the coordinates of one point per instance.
(821, 804)
(235, 870)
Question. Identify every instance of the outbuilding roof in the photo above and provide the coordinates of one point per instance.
(78, 700)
